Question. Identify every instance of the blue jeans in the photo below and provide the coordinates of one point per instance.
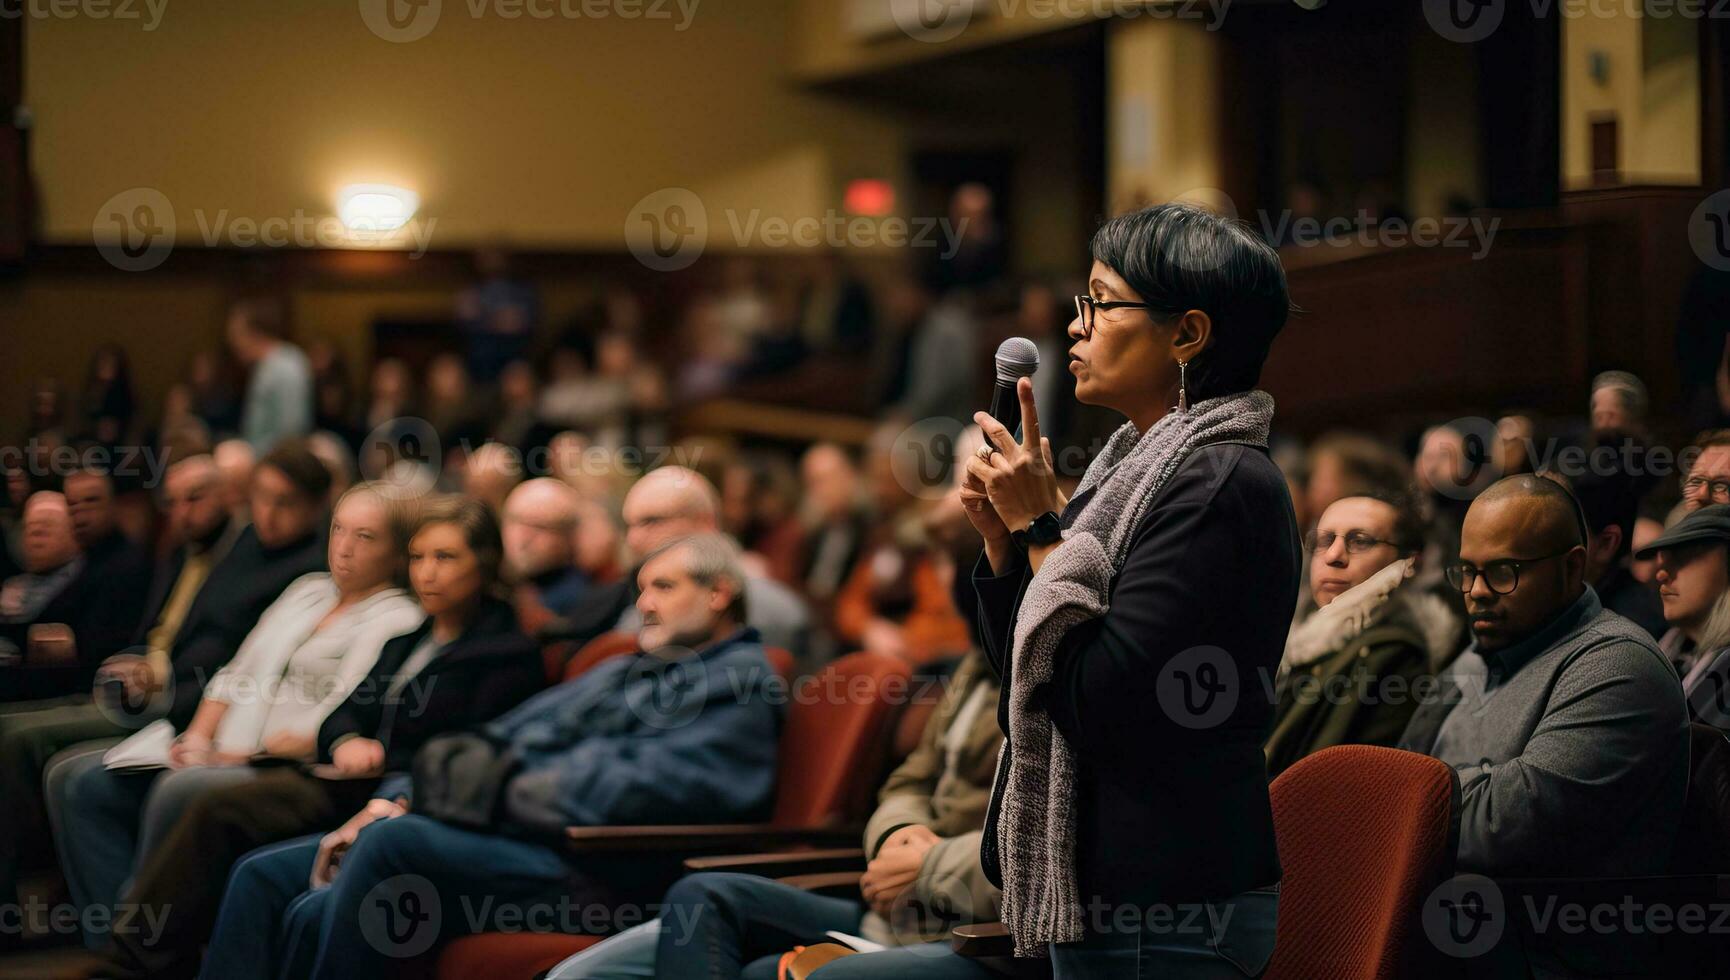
(266, 915)
(406, 884)
(109, 821)
(719, 925)
(1227, 940)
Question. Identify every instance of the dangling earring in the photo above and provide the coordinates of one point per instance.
(1182, 386)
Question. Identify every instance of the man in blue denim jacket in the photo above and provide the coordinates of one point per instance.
(682, 734)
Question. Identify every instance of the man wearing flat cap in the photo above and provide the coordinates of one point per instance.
(1693, 577)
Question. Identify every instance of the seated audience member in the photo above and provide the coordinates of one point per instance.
(308, 651)
(893, 601)
(490, 473)
(30, 733)
(1708, 480)
(235, 461)
(95, 616)
(539, 523)
(1340, 464)
(42, 590)
(1611, 502)
(836, 520)
(759, 496)
(674, 502)
(337, 458)
(1565, 723)
(451, 407)
(599, 749)
(519, 424)
(464, 664)
(285, 541)
(597, 541)
(1618, 403)
(1351, 665)
(1693, 576)
(924, 875)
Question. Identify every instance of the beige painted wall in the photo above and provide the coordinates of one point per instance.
(1652, 90)
(1442, 156)
(546, 131)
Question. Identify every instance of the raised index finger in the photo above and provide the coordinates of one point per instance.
(1029, 416)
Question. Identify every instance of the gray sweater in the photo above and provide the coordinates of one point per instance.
(1571, 746)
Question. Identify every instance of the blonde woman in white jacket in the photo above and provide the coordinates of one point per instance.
(307, 652)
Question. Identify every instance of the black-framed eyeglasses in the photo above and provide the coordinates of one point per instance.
(1357, 542)
(1502, 576)
(1086, 305)
(1717, 491)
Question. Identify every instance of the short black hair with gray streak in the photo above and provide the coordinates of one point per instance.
(1179, 257)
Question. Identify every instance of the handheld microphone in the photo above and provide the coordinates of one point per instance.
(1017, 358)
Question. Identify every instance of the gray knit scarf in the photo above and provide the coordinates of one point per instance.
(1036, 823)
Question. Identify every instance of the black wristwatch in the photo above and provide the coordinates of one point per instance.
(1042, 530)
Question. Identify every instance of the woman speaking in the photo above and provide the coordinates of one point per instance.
(1134, 625)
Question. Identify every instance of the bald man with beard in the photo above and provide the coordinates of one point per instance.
(1566, 725)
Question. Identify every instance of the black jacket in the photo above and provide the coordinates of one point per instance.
(482, 673)
(101, 605)
(1172, 806)
(238, 590)
(168, 574)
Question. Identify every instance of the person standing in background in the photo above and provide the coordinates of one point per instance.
(278, 401)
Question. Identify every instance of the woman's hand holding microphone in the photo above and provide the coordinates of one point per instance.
(1008, 483)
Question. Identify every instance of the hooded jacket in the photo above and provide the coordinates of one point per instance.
(1353, 670)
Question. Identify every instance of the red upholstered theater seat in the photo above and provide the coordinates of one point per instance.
(495, 956)
(831, 754)
(1365, 834)
(603, 647)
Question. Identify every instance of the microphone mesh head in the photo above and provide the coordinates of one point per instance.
(1017, 358)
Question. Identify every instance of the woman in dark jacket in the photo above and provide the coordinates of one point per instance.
(465, 664)
(1138, 633)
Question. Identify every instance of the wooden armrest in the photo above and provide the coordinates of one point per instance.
(982, 940)
(706, 838)
(806, 862)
